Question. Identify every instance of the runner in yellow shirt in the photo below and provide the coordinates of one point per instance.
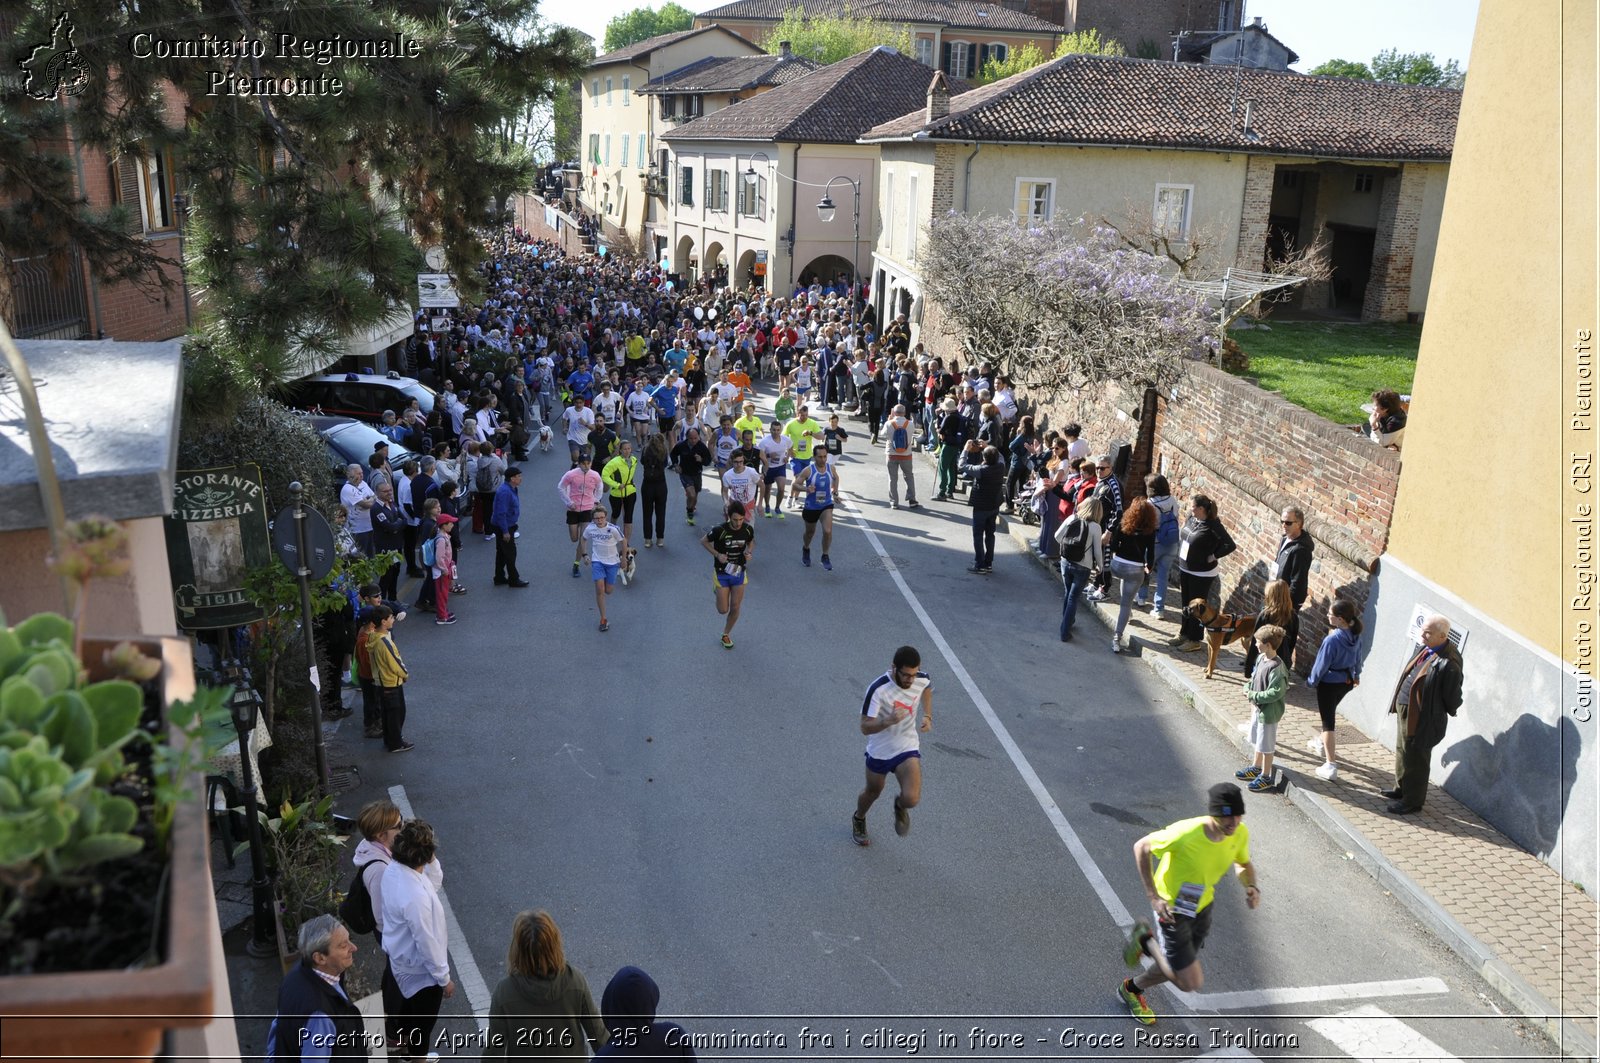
(804, 433)
(749, 423)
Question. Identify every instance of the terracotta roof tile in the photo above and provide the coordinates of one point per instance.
(731, 74)
(956, 14)
(1083, 99)
(833, 104)
(650, 44)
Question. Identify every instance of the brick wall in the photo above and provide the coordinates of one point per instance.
(1254, 211)
(1255, 454)
(528, 209)
(1388, 295)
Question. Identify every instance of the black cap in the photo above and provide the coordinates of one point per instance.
(515, 470)
(1224, 799)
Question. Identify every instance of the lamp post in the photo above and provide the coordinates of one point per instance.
(825, 211)
(750, 178)
(245, 707)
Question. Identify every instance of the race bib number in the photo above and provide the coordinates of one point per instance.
(1188, 900)
(1183, 550)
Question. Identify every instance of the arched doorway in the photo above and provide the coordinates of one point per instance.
(716, 264)
(684, 261)
(832, 271)
(746, 273)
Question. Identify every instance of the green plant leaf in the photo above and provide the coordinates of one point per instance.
(11, 650)
(98, 849)
(116, 705)
(71, 726)
(42, 628)
(21, 703)
(117, 814)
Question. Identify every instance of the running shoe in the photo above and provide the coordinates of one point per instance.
(605, 625)
(826, 563)
(1328, 771)
(805, 557)
(902, 820)
(1263, 783)
(574, 570)
(767, 512)
(1133, 951)
(445, 622)
(858, 830)
(781, 514)
(691, 521)
(727, 642)
(1141, 1011)
(1248, 774)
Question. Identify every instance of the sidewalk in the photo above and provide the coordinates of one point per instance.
(1529, 933)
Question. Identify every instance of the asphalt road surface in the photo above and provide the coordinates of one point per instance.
(686, 808)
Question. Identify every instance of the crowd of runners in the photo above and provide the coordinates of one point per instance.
(646, 382)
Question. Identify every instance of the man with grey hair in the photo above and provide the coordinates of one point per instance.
(358, 499)
(316, 1019)
(1427, 695)
(897, 449)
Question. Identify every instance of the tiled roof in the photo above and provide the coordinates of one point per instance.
(731, 74)
(833, 104)
(639, 49)
(1084, 99)
(1197, 45)
(956, 14)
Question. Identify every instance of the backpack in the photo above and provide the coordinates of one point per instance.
(1074, 540)
(486, 477)
(1167, 530)
(355, 911)
(429, 552)
(899, 439)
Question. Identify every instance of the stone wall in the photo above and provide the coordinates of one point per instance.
(1388, 295)
(1254, 454)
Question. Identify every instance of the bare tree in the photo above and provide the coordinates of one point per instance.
(1063, 307)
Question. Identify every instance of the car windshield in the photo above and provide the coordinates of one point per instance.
(354, 442)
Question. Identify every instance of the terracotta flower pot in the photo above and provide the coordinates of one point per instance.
(123, 1015)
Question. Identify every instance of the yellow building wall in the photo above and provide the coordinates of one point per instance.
(1112, 183)
(1487, 490)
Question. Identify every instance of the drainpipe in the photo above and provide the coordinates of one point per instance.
(966, 177)
(794, 217)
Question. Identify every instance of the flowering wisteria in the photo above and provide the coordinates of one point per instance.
(1063, 307)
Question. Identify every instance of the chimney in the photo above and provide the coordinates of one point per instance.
(784, 51)
(938, 98)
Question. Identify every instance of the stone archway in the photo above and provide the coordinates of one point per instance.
(683, 262)
(716, 263)
(746, 273)
(827, 269)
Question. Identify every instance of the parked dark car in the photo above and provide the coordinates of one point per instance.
(350, 442)
(363, 396)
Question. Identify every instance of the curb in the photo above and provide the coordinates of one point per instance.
(1572, 1042)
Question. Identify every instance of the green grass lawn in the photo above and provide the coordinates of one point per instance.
(1331, 368)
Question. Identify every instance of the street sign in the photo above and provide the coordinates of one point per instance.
(437, 290)
(319, 542)
(216, 533)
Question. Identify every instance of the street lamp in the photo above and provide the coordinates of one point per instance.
(749, 173)
(244, 705)
(825, 211)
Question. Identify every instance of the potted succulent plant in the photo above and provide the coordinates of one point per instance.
(103, 852)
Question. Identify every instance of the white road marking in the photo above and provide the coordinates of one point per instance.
(1091, 871)
(460, 952)
(1371, 1035)
(1269, 998)
(831, 943)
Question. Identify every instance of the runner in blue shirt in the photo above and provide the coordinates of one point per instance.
(581, 383)
(820, 482)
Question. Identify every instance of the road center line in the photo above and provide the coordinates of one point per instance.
(1371, 1035)
(1267, 998)
(1091, 871)
(460, 952)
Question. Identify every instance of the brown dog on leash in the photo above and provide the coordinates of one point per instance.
(1221, 629)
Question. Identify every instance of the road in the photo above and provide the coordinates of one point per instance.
(686, 809)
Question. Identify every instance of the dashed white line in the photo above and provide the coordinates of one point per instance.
(472, 983)
(1080, 854)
